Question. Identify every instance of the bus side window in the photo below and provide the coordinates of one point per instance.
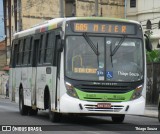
(26, 50)
(30, 50)
(57, 55)
(35, 52)
(55, 62)
(23, 52)
(19, 54)
(35, 49)
(13, 54)
(41, 50)
(49, 47)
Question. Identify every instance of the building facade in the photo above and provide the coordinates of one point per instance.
(3, 67)
(3, 55)
(23, 14)
(10, 20)
(37, 11)
(147, 12)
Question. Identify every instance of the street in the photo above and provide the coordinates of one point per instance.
(9, 115)
(91, 57)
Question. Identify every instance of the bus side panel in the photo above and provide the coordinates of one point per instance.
(11, 86)
(17, 77)
(26, 83)
(33, 85)
(46, 77)
(40, 87)
(52, 87)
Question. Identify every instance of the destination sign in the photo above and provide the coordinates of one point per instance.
(108, 27)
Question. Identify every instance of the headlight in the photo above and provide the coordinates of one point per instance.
(70, 90)
(137, 92)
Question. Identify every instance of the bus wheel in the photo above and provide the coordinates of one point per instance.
(54, 116)
(22, 108)
(32, 111)
(118, 118)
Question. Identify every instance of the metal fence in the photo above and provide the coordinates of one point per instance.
(153, 83)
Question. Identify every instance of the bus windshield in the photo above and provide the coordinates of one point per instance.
(125, 64)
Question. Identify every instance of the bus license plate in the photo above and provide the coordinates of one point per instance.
(104, 105)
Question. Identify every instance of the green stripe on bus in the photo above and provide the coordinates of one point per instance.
(110, 97)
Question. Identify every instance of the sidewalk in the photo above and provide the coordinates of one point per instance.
(150, 110)
(3, 97)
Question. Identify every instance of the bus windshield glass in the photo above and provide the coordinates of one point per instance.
(125, 64)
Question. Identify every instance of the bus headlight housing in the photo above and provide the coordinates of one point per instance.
(137, 92)
(70, 90)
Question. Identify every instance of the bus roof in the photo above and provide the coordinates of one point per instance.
(57, 22)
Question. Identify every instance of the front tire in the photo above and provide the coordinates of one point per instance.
(118, 118)
(22, 108)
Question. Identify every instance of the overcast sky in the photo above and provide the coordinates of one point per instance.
(1, 20)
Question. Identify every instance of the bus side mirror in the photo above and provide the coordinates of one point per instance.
(60, 44)
(148, 43)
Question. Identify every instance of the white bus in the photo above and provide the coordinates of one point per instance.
(86, 65)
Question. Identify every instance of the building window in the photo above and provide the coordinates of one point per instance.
(149, 24)
(132, 3)
(159, 25)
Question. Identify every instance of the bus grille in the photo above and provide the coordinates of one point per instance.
(103, 89)
(114, 108)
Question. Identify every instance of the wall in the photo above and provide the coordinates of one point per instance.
(37, 11)
(3, 80)
(153, 83)
(85, 8)
(112, 8)
(106, 8)
(2, 54)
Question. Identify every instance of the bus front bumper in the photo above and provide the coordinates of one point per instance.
(72, 105)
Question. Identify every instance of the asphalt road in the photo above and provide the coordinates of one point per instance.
(9, 115)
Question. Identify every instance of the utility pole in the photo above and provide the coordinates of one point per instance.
(125, 9)
(61, 8)
(15, 14)
(96, 7)
(20, 15)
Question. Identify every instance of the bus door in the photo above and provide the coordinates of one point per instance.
(36, 43)
(56, 62)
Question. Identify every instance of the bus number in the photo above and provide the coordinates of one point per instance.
(81, 27)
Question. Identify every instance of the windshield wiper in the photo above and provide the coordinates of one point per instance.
(98, 55)
(117, 47)
(91, 44)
